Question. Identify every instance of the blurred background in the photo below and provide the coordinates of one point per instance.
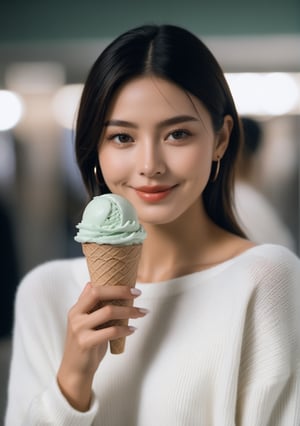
(46, 50)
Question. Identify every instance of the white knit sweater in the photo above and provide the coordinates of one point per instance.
(219, 348)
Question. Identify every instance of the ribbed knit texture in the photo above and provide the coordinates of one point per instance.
(219, 348)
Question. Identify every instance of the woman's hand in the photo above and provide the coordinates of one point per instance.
(88, 334)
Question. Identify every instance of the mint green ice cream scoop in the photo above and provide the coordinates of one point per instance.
(110, 219)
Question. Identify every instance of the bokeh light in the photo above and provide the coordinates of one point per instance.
(11, 109)
(265, 93)
(65, 104)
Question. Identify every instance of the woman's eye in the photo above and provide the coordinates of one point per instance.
(178, 134)
(121, 138)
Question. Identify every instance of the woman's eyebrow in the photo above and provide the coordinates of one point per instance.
(120, 123)
(177, 120)
(164, 123)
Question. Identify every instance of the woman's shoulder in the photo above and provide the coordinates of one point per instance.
(272, 256)
(243, 253)
(268, 266)
(266, 262)
(68, 268)
(274, 272)
(55, 275)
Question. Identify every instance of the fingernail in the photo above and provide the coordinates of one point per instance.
(132, 329)
(135, 291)
(143, 310)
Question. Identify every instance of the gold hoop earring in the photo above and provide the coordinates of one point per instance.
(217, 169)
(96, 175)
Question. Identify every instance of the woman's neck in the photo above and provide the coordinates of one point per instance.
(187, 245)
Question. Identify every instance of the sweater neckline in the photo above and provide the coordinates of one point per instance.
(178, 284)
(183, 282)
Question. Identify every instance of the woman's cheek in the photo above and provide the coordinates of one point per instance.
(115, 166)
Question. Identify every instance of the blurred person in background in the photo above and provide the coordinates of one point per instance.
(9, 255)
(257, 216)
(9, 271)
(217, 341)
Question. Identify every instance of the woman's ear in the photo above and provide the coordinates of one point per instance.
(222, 138)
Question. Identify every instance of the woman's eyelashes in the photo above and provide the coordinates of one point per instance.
(176, 135)
(120, 138)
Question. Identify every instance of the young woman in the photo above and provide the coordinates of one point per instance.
(217, 340)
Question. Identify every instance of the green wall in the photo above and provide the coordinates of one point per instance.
(44, 20)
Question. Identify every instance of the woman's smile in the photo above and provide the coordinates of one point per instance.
(153, 194)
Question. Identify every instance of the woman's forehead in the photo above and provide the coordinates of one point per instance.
(151, 92)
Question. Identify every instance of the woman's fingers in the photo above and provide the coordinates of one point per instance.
(92, 296)
(103, 335)
(110, 313)
(98, 327)
(95, 310)
(104, 317)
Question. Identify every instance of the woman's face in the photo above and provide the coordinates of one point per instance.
(157, 148)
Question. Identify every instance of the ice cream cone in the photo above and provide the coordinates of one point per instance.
(111, 238)
(113, 265)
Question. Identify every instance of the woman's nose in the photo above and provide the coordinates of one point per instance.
(151, 161)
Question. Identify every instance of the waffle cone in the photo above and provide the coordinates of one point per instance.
(113, 265)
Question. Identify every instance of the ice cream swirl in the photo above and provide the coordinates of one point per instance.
(110, 219)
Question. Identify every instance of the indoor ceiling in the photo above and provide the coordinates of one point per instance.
(252, 36)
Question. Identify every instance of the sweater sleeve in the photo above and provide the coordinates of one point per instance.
(34, 397)
(269, 380)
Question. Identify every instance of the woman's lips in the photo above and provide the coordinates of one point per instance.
(154, 193)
